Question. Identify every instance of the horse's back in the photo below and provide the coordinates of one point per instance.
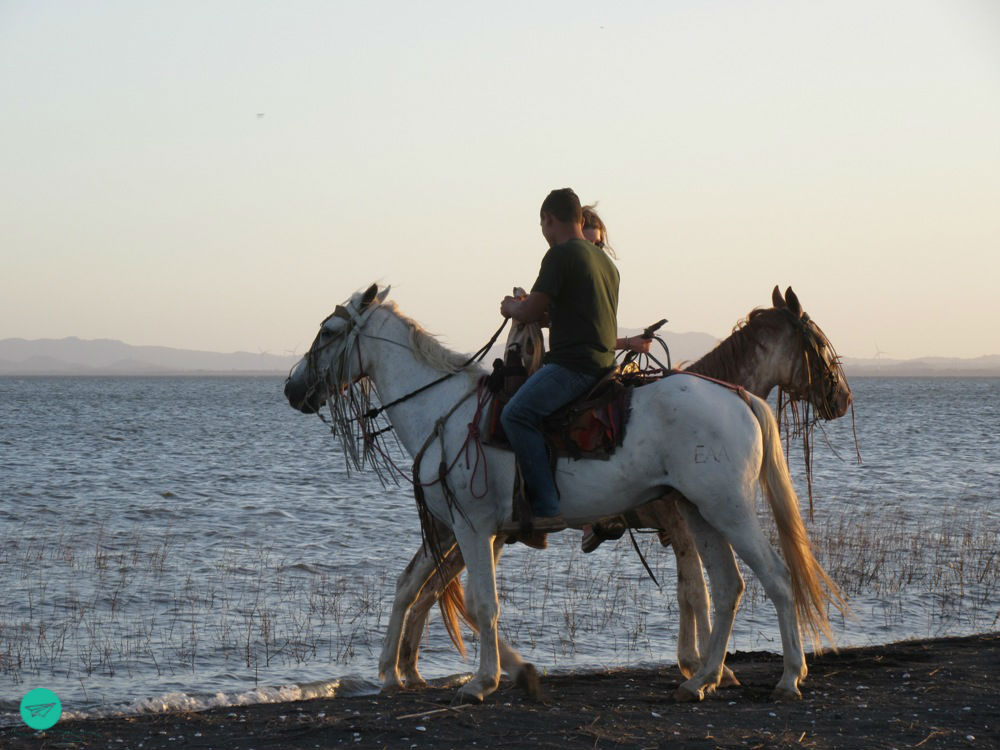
(699, 430)
(693, 405)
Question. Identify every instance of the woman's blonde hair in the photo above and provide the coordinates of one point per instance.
(592, 220)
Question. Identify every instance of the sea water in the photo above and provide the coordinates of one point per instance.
(187, 542)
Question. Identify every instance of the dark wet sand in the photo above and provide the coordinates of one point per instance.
(929, 694)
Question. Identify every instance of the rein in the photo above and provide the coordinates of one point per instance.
(437, 433)
(478, 356)
(739, 390)
(472, 437)
(352, 417)
(642, 557)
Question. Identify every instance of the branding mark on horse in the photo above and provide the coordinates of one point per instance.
(718, 454)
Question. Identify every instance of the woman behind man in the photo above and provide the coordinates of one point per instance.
(595, 231)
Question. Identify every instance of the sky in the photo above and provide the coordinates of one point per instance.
(219, 175)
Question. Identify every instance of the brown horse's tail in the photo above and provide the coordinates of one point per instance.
(812, 589)
(452, 603)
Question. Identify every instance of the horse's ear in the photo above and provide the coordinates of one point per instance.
(369, 296)
(793, 302)
(776, 299)
(383, 294)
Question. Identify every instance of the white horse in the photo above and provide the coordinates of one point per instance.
(773, 347)
(685, 433)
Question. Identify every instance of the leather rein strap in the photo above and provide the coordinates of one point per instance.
(374, 412)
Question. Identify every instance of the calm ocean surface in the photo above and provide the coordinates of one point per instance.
(185, 542)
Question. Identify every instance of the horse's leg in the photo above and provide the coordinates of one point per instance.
(484, 610)
(692, 604)
(694, 625)
(511, 661)
(452, 565)
(727, 588)
(752, 546)
(409, 585)
(692, 596)
(413, 632)
(523, 673)
(738, 524)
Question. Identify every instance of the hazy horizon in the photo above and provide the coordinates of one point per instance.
(219, 177)
(877, 354)
(684, 347)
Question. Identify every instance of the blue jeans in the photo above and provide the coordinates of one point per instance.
(547, 390)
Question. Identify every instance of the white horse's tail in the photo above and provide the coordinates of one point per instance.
(812, 589)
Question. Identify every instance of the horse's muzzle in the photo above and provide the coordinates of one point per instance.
(843, 402)
(299, 397)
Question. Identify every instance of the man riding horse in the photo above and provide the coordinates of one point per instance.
(577, 291)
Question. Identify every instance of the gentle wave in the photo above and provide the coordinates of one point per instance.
(177, 701)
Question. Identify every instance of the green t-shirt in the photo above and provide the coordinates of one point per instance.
(582, 283)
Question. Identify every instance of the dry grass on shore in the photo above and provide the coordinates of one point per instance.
(124, 604)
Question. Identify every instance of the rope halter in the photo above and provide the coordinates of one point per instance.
(355, 312)
(348, 395)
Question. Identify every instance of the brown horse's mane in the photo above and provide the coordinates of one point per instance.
(727, 360)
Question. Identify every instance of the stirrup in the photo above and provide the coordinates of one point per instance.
(536, 524)
(535, 539)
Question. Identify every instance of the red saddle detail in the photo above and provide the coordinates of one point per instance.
(590, 427)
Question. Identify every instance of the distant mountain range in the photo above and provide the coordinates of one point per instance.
(73, 356)
(945, 367)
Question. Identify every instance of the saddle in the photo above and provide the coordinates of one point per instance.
(591, 427)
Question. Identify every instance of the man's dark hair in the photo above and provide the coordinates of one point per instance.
(564, 205)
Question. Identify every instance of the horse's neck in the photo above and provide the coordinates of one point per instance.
(397, 371)
(757, 368)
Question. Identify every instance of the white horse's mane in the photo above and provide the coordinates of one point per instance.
(425, 345)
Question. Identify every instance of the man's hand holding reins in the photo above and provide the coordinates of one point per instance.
(529, 309)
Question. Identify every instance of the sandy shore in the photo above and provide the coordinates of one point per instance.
(938, 693)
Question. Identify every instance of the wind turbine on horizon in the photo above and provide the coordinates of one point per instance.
(878, 356)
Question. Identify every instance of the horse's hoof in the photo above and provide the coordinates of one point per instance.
(463, 698)
(783, 695)
(416, 683)
(527, 680)
(393, 689)
(728, 679)
(686, 695)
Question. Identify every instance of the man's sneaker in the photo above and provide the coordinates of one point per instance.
(590, 541)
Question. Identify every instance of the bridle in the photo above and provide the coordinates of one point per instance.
(348, 393)
(356, 320)
(345, 374)
(823, 382)
(823, 375)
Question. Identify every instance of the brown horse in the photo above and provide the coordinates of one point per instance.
(773, 347)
